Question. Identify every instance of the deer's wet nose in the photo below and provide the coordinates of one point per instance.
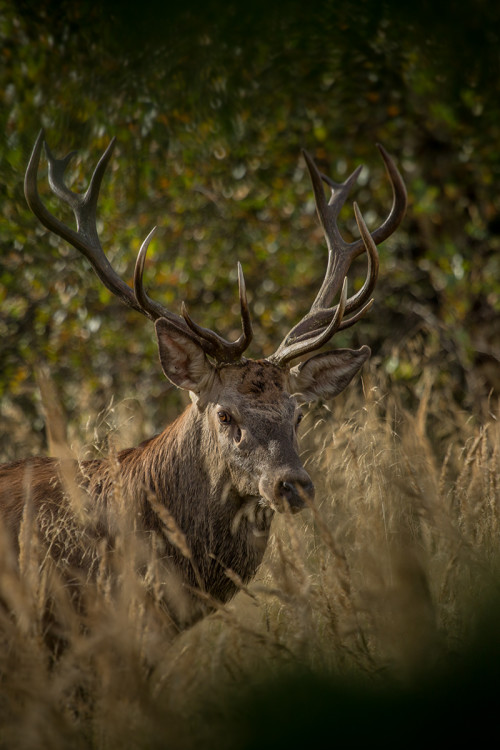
(296, 491)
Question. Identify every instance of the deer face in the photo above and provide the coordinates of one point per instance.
(254, 420)
(250, 416)
(252, 410)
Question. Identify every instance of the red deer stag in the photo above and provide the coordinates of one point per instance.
(230, 460)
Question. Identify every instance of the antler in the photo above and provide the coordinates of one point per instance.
(321, 322)
(86, 240)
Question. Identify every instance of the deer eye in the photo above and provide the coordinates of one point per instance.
(299, 419)
(224, 417)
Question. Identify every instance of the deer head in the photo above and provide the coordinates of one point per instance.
(247, 410)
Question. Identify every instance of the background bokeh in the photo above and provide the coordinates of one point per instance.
(211, 104)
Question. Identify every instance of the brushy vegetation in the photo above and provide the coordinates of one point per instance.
(363, 600)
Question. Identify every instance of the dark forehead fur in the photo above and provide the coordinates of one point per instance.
(261, 379)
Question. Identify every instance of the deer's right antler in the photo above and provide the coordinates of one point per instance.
(86, 240)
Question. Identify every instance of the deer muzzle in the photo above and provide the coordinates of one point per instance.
(288, 490)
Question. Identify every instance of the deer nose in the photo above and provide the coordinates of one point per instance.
(296, 490)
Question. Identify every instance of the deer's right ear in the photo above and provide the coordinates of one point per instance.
(182, 359)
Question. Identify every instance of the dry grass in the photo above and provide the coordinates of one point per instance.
(380, 585)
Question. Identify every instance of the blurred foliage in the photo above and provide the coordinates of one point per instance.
(211, 103)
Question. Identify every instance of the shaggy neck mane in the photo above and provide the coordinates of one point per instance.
(181, 470)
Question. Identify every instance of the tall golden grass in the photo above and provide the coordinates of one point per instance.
(380, 586)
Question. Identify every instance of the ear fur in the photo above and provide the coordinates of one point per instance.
(326, 375)
(182, 359)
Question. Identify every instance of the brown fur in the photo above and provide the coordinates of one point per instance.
(184, 469)
(202, 493)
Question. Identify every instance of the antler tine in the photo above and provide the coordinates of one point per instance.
(147, 305)
(363, 294)
(399, 199)
(223, 350)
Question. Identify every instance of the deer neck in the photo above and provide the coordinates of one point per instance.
(189, 476)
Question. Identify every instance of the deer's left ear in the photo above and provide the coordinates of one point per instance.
(326, 375)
